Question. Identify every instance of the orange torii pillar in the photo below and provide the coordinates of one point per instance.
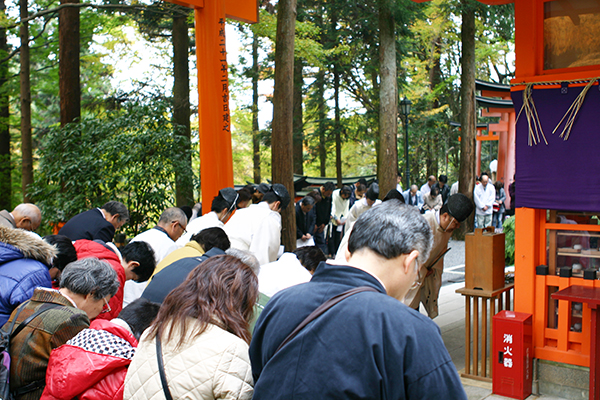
(214, 122)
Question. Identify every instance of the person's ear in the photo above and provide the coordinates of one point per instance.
(131, 265)
(347, 254)
(412, 256)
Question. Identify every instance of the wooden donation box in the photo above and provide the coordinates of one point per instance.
(484, 260)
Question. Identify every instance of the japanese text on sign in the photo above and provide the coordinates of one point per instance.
(224, 77)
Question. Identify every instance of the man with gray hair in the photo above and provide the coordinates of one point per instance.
(52, 317)
(171, 225)
(25, 216)
(367, 345)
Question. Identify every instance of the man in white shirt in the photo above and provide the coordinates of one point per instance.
(291, 269)
(171, 225)
(258, 228)
(426, 188)
(221, 208)
(484, 195)
(399, 182)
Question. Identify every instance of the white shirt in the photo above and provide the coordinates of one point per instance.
(454, 188)
(281, 274)
(357, 210)
(162, 245)
(257, 229)
(425, 189)
(484, 197)
(339, 206)
(399, 187)
(210, 220)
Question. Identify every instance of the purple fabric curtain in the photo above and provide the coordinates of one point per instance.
(563, 175)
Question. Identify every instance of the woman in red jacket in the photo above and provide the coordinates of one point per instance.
(93, 364)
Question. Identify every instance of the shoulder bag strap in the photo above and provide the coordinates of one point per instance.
(35, 385)
(322, 308)
(161, 369)
(23, 324)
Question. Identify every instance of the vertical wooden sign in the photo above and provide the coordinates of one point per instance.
(214, 121)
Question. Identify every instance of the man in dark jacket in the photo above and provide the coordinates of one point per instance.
(368, 346)
(305, 221)
(323, 212)
(98, 223)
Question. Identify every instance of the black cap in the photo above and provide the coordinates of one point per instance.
(263, 188)
(460, 206)
(282, 194)
(229, 195)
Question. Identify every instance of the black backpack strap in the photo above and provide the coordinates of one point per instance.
(161, 369)
(23, 324)
(39, 384)
(322, 308)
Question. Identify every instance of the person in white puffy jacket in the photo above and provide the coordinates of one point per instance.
(203, 327)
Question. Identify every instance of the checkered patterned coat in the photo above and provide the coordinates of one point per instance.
(92, 365)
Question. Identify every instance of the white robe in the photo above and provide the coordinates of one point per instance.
(257, 229)
(210, 220)
(162, 245)
(281, 274)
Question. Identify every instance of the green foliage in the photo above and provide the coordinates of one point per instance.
(508, 228)
(130, 155)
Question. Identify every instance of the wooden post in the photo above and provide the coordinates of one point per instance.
(216, 164)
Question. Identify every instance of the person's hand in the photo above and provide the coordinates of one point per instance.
(308, 236)
(485, 208)
(305, 237)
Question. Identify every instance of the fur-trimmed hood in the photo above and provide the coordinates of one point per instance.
(30, 246)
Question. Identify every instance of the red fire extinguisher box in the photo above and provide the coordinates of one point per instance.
(512, 354)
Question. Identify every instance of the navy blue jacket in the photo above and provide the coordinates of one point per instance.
(369, 346)
(89, 225)
(173, 275)
(305, 223)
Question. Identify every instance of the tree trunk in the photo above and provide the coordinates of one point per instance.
(320, 94)
(298, 117)
(336, 95)
(388, 101)
(281, 149)
(68, 69)
(255, 128)
(5, 165)
(184, 190)
(26, 145)
(467, 116)
(337, 128)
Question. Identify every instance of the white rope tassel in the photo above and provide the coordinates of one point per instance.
(533, 119)
(572, 112)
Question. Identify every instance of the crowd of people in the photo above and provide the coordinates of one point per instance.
(210, 306)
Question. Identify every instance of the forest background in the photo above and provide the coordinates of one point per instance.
(118, 122)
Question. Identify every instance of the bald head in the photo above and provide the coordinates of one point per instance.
(484, 180)
(27, 216)
(414, 189)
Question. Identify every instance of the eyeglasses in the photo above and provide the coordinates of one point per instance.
(417, 281)
(106, 307)
(181, 226)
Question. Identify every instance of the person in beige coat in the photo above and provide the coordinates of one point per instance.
(442, 224)
(203, 329)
